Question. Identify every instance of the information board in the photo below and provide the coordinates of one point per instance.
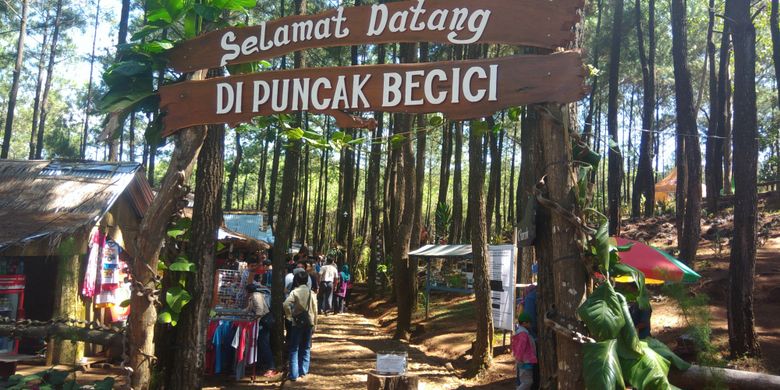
(502, 285)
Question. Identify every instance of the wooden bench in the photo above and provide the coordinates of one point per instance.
(9, 362)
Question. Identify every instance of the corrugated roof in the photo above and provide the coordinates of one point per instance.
(248, 225)
(52, 199)
(436, 251)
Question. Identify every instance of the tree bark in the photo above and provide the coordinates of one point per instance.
(713, 170)
(405, 269)
(456, 229)
(68, 304)
(189, 357)
(231, 184)
(49, 76)
(273, 181)
(64, 332)
(774, 26)
(686, 127)
(9, 118)
(644, 182)
(88, 102)
(261, 189)
(615, 177)
(588, 129)
(483, 346)
(38, 85)
(743, 340)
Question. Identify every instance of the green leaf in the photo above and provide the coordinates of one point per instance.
(179, 228)
(174, 7)
(397, 139)
(105, 384)
(643, 297)
(234, 5)
(220, 246)
(479, 127)
(435, 120)
(514, 114)
(158, 17)
(602, 313)
(125, 303)
(164, 317)
(601, 243)
(182, 266)
(629, 346)
(294, 134)
(161, 266)
(647, 372)
(153, 47)
(144, 32)
(265, 64)
(207, 12)
(190, 24)
(601, 368)
(176, 298)
(56, 378)
(663, 350)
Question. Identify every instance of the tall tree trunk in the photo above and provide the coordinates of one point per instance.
(774, 26)
(231, 184)
(405, 195)
(615, 156)
(444, 168)
(558, 255)
(644, 182)
(530, 173)
(713, 158)
(726, 134)
(743, 340)
(483, 345)
(283, 226)
(372, 189)
(494, 182)
(38, 85)
(88, 102)
(422, 143)
(686, 127)
(456, 230)
(510, 217)
(261, 189)
(588, 129)
(9, 118)
(188, 359)
(143, 315)
(274, 179)
(49, 76)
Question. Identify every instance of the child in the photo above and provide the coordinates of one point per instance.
(524, 350)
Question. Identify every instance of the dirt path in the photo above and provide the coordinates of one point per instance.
(344, 351)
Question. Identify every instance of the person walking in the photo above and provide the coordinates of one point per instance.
(343, 289)
(329, 275)
(300, 308)
(259, 305)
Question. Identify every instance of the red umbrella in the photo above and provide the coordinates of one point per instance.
(657, 265)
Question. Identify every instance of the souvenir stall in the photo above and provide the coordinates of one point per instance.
(233, 331)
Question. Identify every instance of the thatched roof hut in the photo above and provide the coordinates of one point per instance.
(54, 199)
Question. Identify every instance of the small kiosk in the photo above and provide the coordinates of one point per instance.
(450, 268)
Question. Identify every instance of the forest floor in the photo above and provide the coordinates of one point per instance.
(344, 352)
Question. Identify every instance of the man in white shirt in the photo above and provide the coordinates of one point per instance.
(329, 275)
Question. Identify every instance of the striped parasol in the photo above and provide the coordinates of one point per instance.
(657, 265)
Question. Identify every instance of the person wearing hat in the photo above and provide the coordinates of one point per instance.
(524, 350)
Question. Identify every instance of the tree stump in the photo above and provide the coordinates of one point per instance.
(378, 381)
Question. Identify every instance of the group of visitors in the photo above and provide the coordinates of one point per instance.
(313, 286)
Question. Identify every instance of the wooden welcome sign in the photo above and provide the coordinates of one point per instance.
(459, 89)
(537, 23)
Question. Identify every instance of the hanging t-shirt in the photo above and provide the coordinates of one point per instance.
(110, 277)
(91, 277)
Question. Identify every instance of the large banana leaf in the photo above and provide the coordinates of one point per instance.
(628, 340)
(648, 372)
(667, 353)
(601, 368)
(602, 313)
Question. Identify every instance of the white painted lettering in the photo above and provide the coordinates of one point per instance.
(391, 85)
(257, 101)
(377, 26)
(429, 80)
(226, 44)
(467, 93)
(225, 98)
(410, 86)
(315, 93)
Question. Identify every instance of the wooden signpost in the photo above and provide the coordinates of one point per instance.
(538, 23)
(460, 89)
